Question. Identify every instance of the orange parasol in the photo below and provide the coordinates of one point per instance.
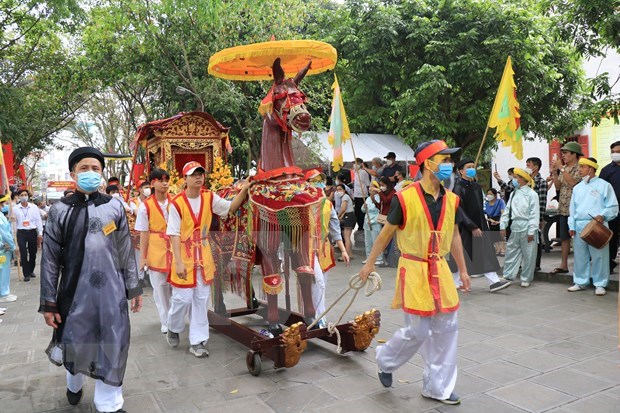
(254, 61)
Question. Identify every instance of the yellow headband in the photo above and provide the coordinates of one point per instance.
(586, 161)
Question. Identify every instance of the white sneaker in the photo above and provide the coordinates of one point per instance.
(599, 291)
(364, 262)
(525, 284)
(3, 308)
(575, 288)
(8, 298)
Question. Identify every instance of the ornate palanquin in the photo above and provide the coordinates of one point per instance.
(188, 136)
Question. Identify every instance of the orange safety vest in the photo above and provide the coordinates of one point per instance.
(424, 285)
(195, 249)
(326, 251)
(159, 253)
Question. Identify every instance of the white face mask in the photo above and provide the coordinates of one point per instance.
(389, 162)
(490, 197)
(117, 195)
(615, 157)
(586, 178)
(383, 188)
(146, 192)
(23, 199)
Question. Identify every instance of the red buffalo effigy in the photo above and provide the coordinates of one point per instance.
(284, 211)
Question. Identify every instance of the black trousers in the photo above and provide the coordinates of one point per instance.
(27, 241)
(539, 249)
(614, 226)
(359, 214)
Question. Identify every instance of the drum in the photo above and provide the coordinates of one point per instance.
(596, 234)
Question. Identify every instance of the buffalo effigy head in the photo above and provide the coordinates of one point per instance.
(285, 103)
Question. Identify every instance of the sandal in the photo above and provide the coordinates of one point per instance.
(559, 270)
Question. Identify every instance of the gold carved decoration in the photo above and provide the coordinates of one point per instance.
(191, 144)
(293, 344)
(364, 328)
(190, 126)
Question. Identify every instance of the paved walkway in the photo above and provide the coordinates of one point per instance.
(539, 349)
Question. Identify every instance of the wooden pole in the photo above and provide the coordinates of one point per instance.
(484, 137)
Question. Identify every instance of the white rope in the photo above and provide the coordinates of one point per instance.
(373, 283)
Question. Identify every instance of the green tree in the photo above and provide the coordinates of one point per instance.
(41, 82)
(593, 26)
(427, 69)
(152, 47)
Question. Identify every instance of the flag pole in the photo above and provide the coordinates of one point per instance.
(484, 137)
(5, 181)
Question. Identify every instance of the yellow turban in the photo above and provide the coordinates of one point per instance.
(523, 174)
(5, 198)
(586, 161)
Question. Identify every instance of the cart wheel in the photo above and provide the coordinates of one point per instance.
(254, 363)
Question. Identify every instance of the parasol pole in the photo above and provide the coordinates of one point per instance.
(5, 182)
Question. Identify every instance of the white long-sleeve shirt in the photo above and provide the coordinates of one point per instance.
(523, 209)
(28, 217)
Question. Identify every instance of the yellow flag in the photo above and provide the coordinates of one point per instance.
(338, 127)
(505, 115)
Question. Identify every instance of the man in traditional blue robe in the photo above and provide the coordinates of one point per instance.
(88, 273)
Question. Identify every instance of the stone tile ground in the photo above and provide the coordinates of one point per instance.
(539, 349)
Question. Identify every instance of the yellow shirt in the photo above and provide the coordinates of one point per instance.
(424, 285)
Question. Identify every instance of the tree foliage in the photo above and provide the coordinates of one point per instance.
(41, 82)
(421, 69)
(427, 69)
(593, 26)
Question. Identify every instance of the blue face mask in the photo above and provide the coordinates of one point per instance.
(5, 209)
(515, 183)
(319, 185)
(470, 172)
(444, 171)
(89, 181)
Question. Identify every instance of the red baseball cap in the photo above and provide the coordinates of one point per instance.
(192, 167)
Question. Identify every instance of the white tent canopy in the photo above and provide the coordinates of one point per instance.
(367, 146)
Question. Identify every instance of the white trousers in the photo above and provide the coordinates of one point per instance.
(107, 398)
(162, 292)
(491, 277)
(195, 299)
(436, 339)
(318, 288)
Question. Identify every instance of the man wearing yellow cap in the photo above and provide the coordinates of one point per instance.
(522, 217)
(424, 217)
(592, 198)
